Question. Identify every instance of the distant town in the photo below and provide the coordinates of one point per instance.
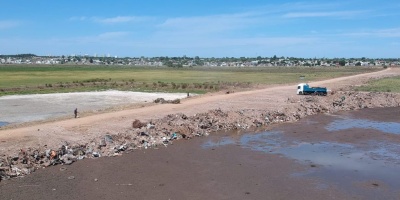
(184, 61)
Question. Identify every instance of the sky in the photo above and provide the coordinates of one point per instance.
(206, 28)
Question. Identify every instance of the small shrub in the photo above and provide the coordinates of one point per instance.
(184, 85)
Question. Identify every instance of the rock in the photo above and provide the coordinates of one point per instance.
(159, 100)
(46, 164)
(26, 171)
(144, 134)
(80, 157)
(96, 154)
(108, 139)
(120, 148)
(150, 126)
(176, 101)
(89, 150)
(102, 143)
(67, 162)
(4, 176)
(48, 152)
(79, 152)
(137, 124)
(68, 159)
(162, 101)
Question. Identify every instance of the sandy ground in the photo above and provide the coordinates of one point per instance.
(301, 160)
(16, 109)
(184, 170)
(53, 134)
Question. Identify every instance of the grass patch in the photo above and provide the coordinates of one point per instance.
(382, 85)
(28, 79)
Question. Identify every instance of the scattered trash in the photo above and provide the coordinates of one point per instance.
(108, 139)
(144, 134)
(150, 126)
(96, 154)
(176, 126)
(163, 101)
(174, 136)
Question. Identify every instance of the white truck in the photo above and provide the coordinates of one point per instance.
(304, 89)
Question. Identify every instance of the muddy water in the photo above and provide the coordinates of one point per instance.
(357, 152)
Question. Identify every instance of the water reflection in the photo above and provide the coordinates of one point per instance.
(342, 124)
(379, 162)
(219, 142)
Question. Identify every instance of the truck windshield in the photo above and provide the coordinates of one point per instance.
(298, 87)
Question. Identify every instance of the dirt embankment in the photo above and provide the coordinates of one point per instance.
(26, 149)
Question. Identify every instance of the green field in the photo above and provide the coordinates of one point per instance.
(27, 79)
(382, 85)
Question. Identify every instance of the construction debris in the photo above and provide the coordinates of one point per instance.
(163, 101)
(163, 132)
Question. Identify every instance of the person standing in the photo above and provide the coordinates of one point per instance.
(76, 112)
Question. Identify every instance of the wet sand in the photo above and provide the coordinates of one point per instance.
(309, 159)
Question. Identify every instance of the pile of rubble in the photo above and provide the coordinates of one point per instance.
(162, 101)
(162, 132)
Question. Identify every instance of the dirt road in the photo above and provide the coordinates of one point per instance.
(301, 160)
(84, 129)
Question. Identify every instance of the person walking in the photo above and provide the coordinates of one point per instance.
(76, 112)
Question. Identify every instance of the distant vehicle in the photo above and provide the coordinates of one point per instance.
(304, 88)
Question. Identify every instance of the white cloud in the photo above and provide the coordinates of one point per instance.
(7, 24)
(384, 33)
(76, 18)
(113, 35)
(196, 42)
(122, 19)
(343, 14)
(112, 20)
(266, 41)
(395, 32)
(211, 25)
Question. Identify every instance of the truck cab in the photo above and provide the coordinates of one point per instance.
(300, 88)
